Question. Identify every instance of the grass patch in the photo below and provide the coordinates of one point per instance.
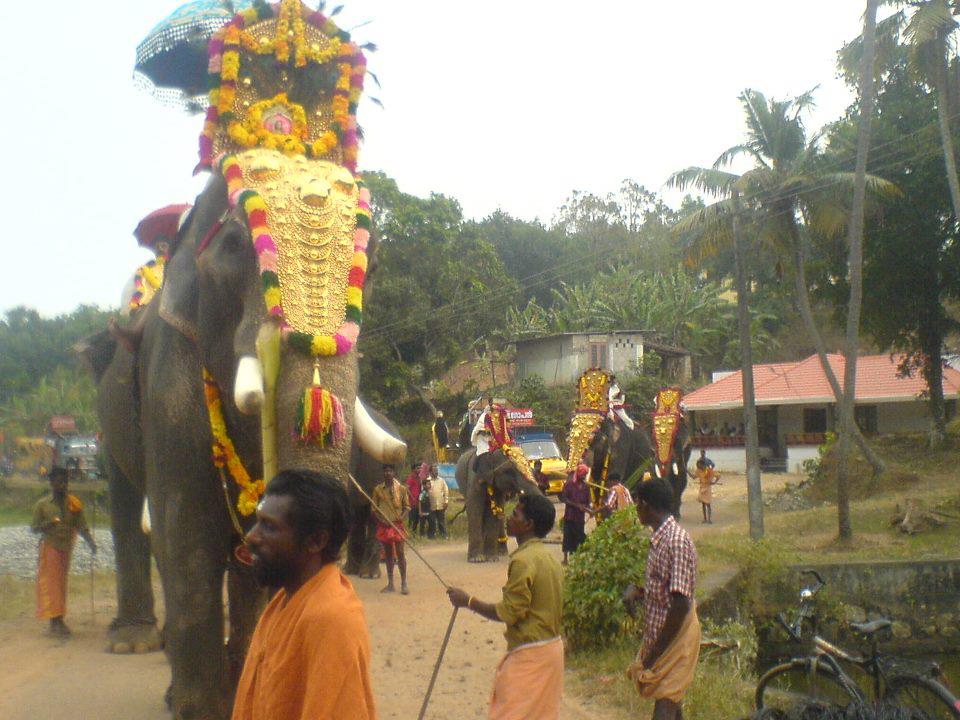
(718, 691)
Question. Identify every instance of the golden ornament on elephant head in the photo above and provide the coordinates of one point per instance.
(667, 417)
(592, 406)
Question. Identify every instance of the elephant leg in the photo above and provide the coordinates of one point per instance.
(363, 548)
(245, 603)
(476, 513)
(134, 629)
(197, 547)
(355, 542)
(491, 536)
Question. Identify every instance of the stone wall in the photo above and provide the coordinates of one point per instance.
(921, 597)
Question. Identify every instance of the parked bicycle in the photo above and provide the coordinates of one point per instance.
(917, 687)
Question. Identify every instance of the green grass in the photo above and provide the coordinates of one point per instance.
(718, 692)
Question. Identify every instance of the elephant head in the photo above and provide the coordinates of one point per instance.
(213, 294)
(498, 473)
(279, 238)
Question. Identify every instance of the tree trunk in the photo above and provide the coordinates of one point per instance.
(946, 139)
(754, 488)
(855, 272)
(931, 347)
(803, 303)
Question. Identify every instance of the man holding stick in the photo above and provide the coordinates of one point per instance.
(529, 679)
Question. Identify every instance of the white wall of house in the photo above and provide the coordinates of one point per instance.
(561, 360)
(796, 454)
(727, 459)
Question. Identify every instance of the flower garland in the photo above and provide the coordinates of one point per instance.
(224, 67)
(255, 210)
(148, 276)
(251, 132)
(225, 454)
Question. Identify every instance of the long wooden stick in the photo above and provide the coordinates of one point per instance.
(93, 557)
(436, 667)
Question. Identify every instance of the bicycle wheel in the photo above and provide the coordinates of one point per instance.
(795, 682)
(924, 698)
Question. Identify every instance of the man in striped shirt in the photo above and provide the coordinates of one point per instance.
(665, 665)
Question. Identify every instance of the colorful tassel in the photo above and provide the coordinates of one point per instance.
(321, 420)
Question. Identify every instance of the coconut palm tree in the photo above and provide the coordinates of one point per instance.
(927, 27)
(789, 198)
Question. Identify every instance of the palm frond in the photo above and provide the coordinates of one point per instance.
(931, 22)
(708, 180)
(728, 155)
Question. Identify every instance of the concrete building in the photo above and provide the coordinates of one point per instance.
(796, 408)
(561, 359)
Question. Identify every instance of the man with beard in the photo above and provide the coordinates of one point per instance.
(310, 653)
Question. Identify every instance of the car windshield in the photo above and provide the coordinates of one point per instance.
(540, 449)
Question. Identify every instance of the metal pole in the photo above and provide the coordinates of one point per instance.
(436, 667)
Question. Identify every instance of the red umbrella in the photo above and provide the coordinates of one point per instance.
(159, 225)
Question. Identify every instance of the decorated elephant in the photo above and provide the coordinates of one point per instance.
(616, 443)
(486, 485)
(247, 362)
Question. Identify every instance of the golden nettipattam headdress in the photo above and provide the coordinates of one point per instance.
(592, 406)
(667, 416)
(284, 77)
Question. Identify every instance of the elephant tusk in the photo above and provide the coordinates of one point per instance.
(676, 471)
(145, 517)
(374, 440)
(248, 386)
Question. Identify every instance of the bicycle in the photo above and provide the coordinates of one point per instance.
(819, 676)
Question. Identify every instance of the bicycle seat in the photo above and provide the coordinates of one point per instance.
(869, 628)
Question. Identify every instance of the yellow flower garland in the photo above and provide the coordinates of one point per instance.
(250, 132)
(225, 454)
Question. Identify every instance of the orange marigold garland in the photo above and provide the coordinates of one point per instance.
(225, 454)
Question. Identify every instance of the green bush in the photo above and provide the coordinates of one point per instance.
(614, 555)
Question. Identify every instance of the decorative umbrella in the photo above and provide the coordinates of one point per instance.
(159, 225)
(172, 59)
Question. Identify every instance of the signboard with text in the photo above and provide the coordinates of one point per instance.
(520, 417)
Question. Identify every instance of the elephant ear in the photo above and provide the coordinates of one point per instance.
(181, 290)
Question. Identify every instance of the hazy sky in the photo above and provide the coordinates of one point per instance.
(506, 105)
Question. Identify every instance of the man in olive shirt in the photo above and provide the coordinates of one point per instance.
(58, 518)
(529, 680)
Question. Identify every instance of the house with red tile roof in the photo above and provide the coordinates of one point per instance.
(796, 408)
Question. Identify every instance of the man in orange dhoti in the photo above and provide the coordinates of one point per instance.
(309, 658)
(664, 667)
(58, 518)
(529, 679)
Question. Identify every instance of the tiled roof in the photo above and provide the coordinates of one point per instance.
(805, 382)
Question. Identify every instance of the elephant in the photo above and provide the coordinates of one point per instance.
(484, 526)
(618, 449)
(157, 445)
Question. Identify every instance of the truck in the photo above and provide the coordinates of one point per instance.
(539, 443)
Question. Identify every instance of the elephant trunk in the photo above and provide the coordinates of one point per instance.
(338, 375)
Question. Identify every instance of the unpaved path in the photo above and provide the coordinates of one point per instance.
(76, 680)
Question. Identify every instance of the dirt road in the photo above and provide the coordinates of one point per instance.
(76, 680)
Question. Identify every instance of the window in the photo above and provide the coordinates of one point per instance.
(598, 355)
(814, 420)
(866, 417)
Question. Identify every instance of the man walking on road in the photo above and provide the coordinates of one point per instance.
(59, 518)
(576, 498)
(529, 679)
(310, 653)
(664, 667)
(439, 499)
(390, 504)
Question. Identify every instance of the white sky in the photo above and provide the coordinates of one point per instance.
(506, 105)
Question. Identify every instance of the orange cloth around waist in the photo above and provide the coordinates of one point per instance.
(673, 671)
(529, 683)
(52, 581)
